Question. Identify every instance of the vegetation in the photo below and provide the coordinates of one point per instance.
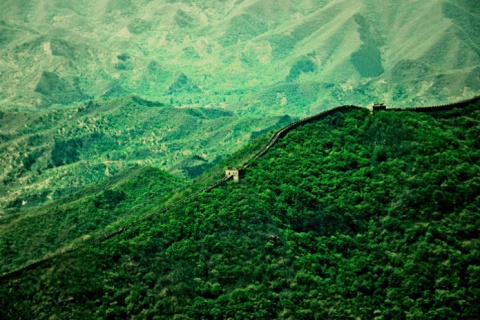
(49, 154)
(303, 65)
(223, 53)
(367, 60)
(356, 215)
(84, 215)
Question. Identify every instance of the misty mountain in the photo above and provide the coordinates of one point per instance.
(251, 57)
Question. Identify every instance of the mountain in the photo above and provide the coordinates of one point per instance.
(353, 215)
(258, 57)
(117, 118)
(89, 88)
(47, 154)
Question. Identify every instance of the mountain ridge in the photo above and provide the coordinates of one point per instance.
(50, 153)
(249, 161)
(349, 44)
(353, 215)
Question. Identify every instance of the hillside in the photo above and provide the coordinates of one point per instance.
(85, 215)
(48, 154)
(355, 215)
(91, 88)
(259, 57)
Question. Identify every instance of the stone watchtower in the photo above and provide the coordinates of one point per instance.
(378, 107)
(235, 173)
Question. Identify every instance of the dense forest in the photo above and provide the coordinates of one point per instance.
(356, 215)
(49, 154)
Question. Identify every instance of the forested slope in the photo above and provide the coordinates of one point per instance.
(39, 232)
(49, 154)
(354, 215)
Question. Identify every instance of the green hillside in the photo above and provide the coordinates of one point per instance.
(91, 88)
(356, 215)
(48, 154)
(84, 215)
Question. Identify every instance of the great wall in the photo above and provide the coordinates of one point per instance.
(271, 142)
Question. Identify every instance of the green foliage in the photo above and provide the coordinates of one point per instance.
(53, 153)
(356, 215)
(109, 199)
(57, 90)
(281, 123)
(62, 48)
(232, 50)
(147, 103)
(243, 27)
(183, 83)
(303, 65)
(64, 152)
(90, 212)
(123, 56)
(139, 26)
(367, 61)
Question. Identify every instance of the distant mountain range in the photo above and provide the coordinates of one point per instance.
(251, 57)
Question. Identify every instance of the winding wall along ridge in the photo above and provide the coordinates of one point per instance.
(277, 135)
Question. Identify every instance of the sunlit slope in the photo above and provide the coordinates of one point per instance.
(239, 54)
(47, 154)
(356, 215)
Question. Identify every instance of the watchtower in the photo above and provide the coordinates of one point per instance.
(378, 107)
(235, 173)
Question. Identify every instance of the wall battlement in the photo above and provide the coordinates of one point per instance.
(235, 173)
(379, 107)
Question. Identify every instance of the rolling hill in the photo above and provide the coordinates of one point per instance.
(113, 110)
(354, 215)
